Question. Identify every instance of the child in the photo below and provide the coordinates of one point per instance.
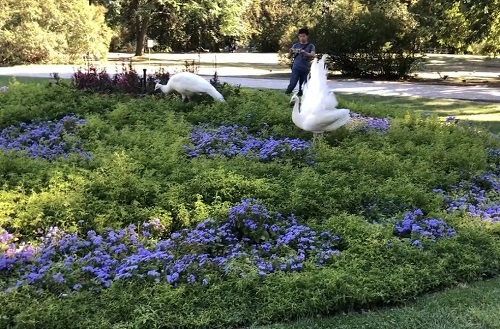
(302, 52)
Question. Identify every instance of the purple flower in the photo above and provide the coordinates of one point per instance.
(451, 120)
(46, 140)
(232, 141)
(5, 237)
(250, 237)
(58, 278)
(478, 199)
(414, 225)
(363, 123)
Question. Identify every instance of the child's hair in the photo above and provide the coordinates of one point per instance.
(303, 31)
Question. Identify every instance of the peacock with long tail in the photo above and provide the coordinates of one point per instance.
(316, 111)
(188, 85)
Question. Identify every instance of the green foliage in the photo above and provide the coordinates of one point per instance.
(181, 25)
(140, 171)
(277, 22)
(490, 45)
(463, 26)
(140, 168)
(369, 40)
(51, 31)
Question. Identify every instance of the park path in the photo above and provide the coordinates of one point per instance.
(383, 88)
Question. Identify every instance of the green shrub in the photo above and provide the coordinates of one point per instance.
(52, 31)
(365, 40)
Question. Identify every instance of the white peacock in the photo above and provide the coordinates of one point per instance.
(316, 111)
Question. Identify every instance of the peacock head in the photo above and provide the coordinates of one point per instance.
(295, 101)
(158, 84)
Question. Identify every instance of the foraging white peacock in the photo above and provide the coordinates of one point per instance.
(316, 111)
(189, 84)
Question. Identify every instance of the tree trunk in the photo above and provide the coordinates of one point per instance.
(141, 29)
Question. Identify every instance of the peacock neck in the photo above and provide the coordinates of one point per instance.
(166, 88)
(295, 112)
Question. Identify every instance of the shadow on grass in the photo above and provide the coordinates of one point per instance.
(447, 63)
(268, 75)
(279, 71)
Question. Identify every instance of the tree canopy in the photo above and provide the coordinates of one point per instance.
(51, 31)
(59, 30)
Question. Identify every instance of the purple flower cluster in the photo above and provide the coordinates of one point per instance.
(363, 123)
(46, 139)
(4, 89)
(249, 240)
(479, 198)
(231, 141)
(5, 237)
(415, 226)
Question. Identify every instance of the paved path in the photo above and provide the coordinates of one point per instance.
(384, 88)
(482, 93)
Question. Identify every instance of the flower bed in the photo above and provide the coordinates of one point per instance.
(230, 141)
(196, 215)
(249, 240)
(46, 139)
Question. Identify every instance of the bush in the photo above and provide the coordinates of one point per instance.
(202, 214)
(129, 81)
(369, 40)
(59, 32)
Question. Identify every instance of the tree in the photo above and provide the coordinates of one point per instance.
(141, 12)
(51, 31)
(368, 40)
(274, 23)
(457, 24)
(181, 24)
(201, 23)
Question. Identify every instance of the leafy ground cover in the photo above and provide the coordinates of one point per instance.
(126, 211)
(485, 112)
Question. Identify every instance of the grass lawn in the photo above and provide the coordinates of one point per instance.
(5, 80)
(469, 306)
(485, 113)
